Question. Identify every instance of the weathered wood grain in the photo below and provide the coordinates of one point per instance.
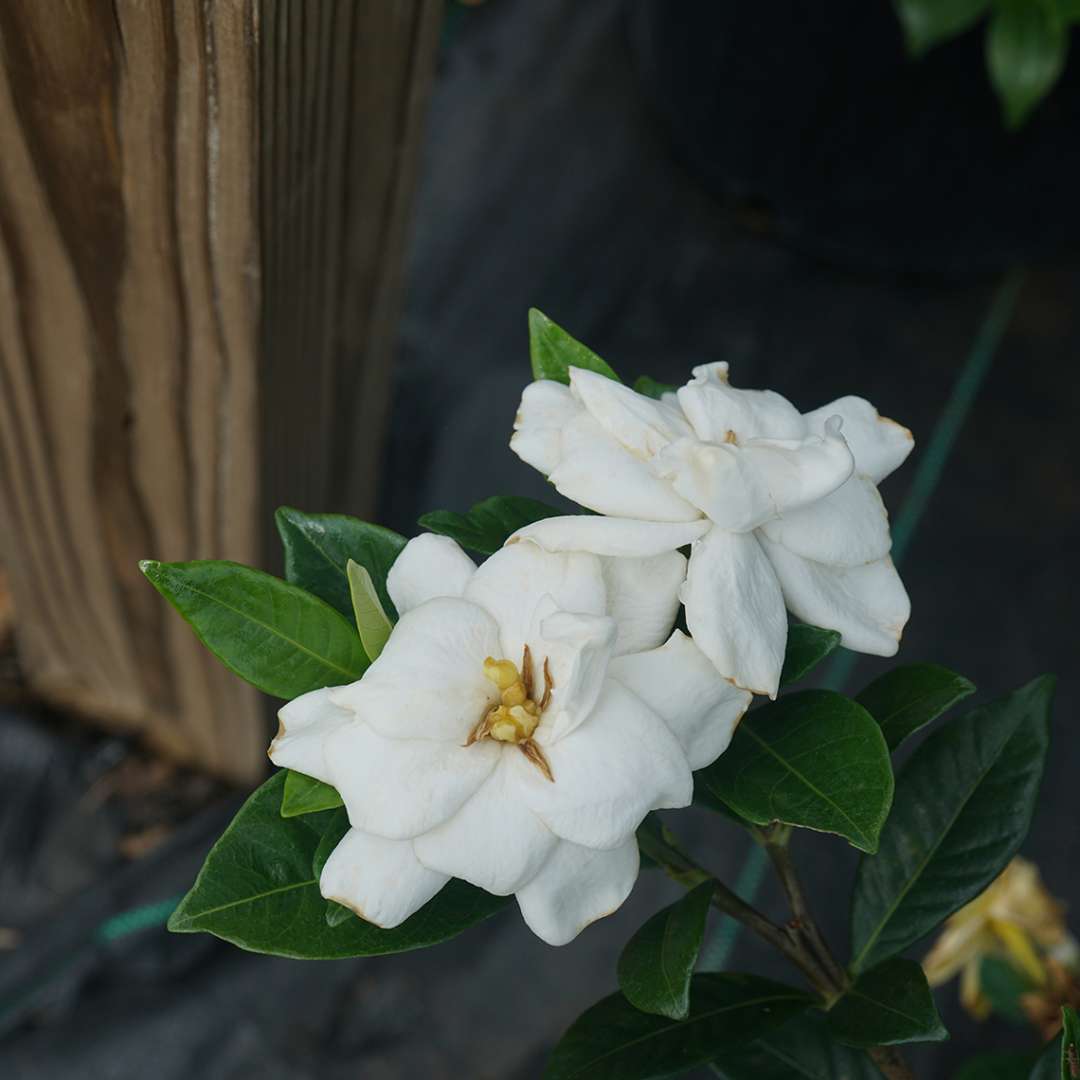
(202, 208)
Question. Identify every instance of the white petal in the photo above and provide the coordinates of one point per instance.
(608, 773)
(639, 423)
(513, 582)
(494, 841)
(600, 473)
(303, 726)
(428, 566)
(399, 788)
(578, 648)
(847, 528)
(879, 444)
(735, 610)
(546, 408)
(381, 880)
(428, 682)
(867, 604)
(643, 598)
(576, 887)
(610, 536)
(678, 682)
(714, 408)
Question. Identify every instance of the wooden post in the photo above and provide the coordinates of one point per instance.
(202, 211)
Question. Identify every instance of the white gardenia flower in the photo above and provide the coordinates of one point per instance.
(521, 721)
(781, 507)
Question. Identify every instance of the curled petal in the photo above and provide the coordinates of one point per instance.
(868, 604)
(577, 886)
(879, 444)
(428, 682)
(578, 648)
(304, 725)
(679, 683)
(381, 880)
(847, 528)
(715, 409)
(399, 788)
(643, 598)
(546, 408)
(735, 610)
(494, 841)
(428, 566)
(611, 536)
(608, 773)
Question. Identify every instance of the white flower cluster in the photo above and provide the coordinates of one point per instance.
(526, 715)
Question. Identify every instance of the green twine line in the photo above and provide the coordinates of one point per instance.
(136, 919)
(927, 476)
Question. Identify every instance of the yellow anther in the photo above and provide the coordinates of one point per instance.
(503, 673)
(515, 695)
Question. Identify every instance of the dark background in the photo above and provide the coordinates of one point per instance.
(774, 185)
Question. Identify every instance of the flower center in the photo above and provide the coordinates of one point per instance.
(515, 717)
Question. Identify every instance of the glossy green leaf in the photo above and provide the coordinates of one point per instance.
(887, 1005)
(657, 962)
(318, 548)
(305, 795)
(332, 834)
(908, 698)
(996, 1066)
(1003, 986)
(1070, 1043)
(928, 23)
(803, 1049)
(1026, 47)
(259, 890)
(807, 646)
(963, 805)
(554, 351)
(278, 637)
(1049, 1065)
(814, 759)
(371, 621)
(645, 384)
(488, 524)
(614, 1041)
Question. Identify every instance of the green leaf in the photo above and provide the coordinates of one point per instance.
(645, 384)
(371, 621)
(614, 1041)
(907, 698)
(1070, 1043)
(928, 23)
(814, 759)
(963, 805)
(318, 548)
(278, 637)
(803, 1049)
(258, 889)
(305, 795)
(1003, 986)
(1068, 10)
(554, 351)
(807, 646)
(1048, 1065)
(656, 965)
(996, 1066)
(889, 1004)
(1026, 47)
(488, 524)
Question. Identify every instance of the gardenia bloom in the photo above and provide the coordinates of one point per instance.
(779, 507)
(521, 721)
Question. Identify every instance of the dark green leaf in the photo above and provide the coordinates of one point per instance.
(1048, 1065)
(277, 636)
(306, 795)
(645, 384)
(258, 889)
(1068, 10)
(1026, 48)
(997, 1066)
(656, 965)
(332, 830)
(554, 351)
(488, 524)
(1003, 986)
(928, 23)
(318, 548)
(803, 1049)
(337, 913)
(889, 1004)
(963, 805)
(908, 698)
(615, 1041)
(814, 759)
(1070, 1043)
(807, 646)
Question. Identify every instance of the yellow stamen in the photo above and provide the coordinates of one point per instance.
(503, 673)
